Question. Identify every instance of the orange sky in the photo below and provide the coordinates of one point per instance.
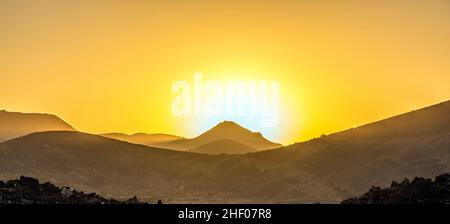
(108, 66)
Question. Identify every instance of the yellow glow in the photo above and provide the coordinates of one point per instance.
(109, 65)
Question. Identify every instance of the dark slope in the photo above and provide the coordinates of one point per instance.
(412, 144)
(86, 162)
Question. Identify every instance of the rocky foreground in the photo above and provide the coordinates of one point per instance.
(27, 190)
(418, 191)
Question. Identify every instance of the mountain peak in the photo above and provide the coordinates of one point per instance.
(233, 131)
(228, 124)
(231, 126)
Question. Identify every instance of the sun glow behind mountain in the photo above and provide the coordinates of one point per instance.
(108, 66)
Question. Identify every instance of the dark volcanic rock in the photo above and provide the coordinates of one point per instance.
(28, 190)
(418, 191)
(132, 200)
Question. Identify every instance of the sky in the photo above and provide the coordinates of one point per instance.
(109, 66)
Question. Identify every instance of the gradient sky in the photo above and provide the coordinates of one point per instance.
(108, 66)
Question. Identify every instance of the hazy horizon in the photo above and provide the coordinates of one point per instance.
(216, 124)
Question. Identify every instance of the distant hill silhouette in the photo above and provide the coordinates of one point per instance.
(328, 169)
(152, 140)
(226, 137)
(15, 124)
(418, 191)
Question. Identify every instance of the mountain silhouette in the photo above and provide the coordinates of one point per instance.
(327, 169)
(226, 130)
(237, 133)
(15, 124)
(226, 137)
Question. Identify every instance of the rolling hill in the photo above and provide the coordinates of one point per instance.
(15, 124)
(152, 140)
(327, 169)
